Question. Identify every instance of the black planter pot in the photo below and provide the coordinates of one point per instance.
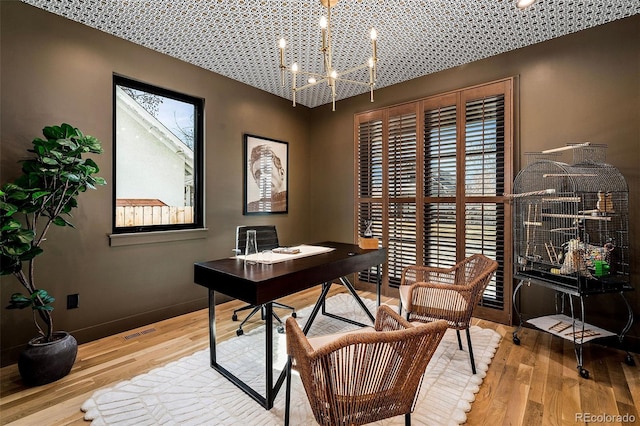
(42, 363)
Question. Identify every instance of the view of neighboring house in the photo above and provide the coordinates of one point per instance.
(150, 159)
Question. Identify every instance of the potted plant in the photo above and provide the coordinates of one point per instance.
(42, 196)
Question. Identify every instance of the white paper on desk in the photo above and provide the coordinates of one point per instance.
(561, 325)
(270, 257)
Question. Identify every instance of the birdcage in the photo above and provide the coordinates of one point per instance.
(571, 224)
(571, 234)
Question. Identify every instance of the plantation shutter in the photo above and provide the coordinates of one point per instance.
(369, 182)
(431, 177)
(484, 176)
(440, 182)
(401, 181)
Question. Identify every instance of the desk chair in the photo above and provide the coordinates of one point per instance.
(365, 375)
(267, 239)
(451, 294)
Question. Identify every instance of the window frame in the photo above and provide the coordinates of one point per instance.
(198, 160)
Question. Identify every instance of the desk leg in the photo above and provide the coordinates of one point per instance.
(270, 394)
(352, 290)
(212, 327)
(320, 303)
(267, 400)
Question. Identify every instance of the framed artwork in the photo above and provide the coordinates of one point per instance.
(266, 176)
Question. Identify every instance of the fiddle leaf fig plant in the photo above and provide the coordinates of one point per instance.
(43, 195)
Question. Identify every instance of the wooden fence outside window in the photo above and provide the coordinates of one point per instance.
(153, 215)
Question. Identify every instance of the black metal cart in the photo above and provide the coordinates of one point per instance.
(574, 327)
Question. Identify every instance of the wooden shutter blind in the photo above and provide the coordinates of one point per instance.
(484, 175)
(401, 184)
(431, 176)
(440, 135)
(440, 183)
(369, 182)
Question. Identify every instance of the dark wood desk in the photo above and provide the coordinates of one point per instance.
(262, 284)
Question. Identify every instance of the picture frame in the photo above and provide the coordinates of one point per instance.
(266, 176)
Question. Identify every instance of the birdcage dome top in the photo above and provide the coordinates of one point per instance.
(565, 178)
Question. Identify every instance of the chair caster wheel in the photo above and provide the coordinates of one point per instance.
(239, 332)
(234, 317)
(629, 360)
(294, 315)
(516, 340)
(280, 329)
(584, 373)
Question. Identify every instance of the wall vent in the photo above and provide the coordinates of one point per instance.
(139, 333)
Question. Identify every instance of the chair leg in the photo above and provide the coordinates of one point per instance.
(244, 308)
(287, 402)
(255, 311)
(473, 363)
(283, 306)
(407, 419)
(459, 339)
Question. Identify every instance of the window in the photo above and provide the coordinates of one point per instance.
(158, 152)
(431, 178)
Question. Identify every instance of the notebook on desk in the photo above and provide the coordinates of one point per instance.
(286, 250)
(282, 254)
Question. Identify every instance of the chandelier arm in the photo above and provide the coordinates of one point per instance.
(349, 71)
(346, 80)
(306, 86)
(311, 74)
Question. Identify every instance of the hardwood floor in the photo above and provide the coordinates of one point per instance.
(535, 383)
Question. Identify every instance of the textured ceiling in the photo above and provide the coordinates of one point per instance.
(238, 38)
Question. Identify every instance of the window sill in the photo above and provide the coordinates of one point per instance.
(117, 240)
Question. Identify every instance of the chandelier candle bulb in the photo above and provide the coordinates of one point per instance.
(323, 31)
(282, 44)
(374, 37)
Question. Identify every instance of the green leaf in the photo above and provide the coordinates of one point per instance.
(70, 131)
(11, 225)
(43, 295)
(39, 194)
(72, 177)
(35, 251)
(93, 144)
(19, 301)
(8, 209)
(16, 249)
(60, 221)
(25, 236)
(50, 161)
(41, 300)
(58, 132)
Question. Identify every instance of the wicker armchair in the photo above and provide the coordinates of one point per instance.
(428, 294)
(365, 375)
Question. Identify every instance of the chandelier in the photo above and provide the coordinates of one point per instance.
(330, 75)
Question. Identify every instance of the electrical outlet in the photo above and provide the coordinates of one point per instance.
(73, 301)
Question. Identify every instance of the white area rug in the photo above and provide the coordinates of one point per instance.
(189, 392)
